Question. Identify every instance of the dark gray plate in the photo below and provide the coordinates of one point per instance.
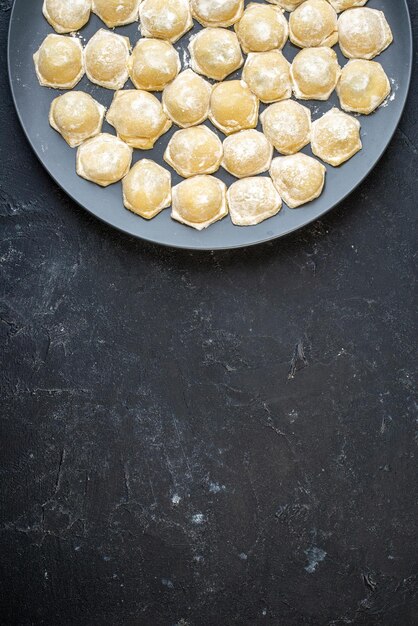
(27, 30)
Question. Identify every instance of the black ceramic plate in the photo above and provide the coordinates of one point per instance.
(27, 30)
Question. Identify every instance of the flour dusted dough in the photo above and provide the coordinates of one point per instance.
(233, 107)
(116, 12)
(215, 53)
(147, 189)
(287, 125)
(287, 5)
(217, 13)
(199, 201)
(314, 23)
(298, 178)
(67, 16)
(59, 62)
(343, 5)
(363, 33)
(154, 63)
(103, 160)
(194, 151)
(335, 137)
(76, 116)
(138, 118)
(262, 28)
(363, 86)
(253, 200)
(165, 19)
(107, 56)
(268, 76)
(247, 153)
(186, 100)
(315, 73)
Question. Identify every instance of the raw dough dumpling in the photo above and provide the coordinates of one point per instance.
(313, 23)
(147, 189)
(153, 64)
(116, 12)
(287, 125)
(103, 160)
(233, 107)
(107, 57)
(186, 100)
(262, 28)
(217, 13)
(298, 178)
(215, 52)
(363, 33)
(194, 151)
(199, 201)
(343, 5)
(138, 118)
(253, 200)
(67, 16)
(165, 19)
(267, 74)
(287, 5)
(59, 62)
(247, 153)
(363, 86)
(76, 116)
(335, 137)
(315, 73)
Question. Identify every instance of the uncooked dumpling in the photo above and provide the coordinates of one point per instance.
(253, 200)
(165, 19)
(116, 12)
(67, 16)
(76, 116)
(217, 13)
(153, 64)
(247, 153)
(262, 28)
(313, 23)
(287, 5)
(315, 73)
(59, 62)
(267, 74)
(363, 86)
(343, 5)
(233, 107)
(199, 201)
(194, 151)
(103, 160)
(298, 178)
(287, 125)
(186, 100)
(138, 118)
(215, 53)
(107, 57)
(335, 137)
(147, 189)
(363, 33)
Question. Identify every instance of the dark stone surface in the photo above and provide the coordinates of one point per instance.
(207, 439)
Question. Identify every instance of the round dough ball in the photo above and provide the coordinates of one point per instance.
(103, 160)
(165, 19)
(194, 151)
(335, 137)
(343, 5)
(186, 100)
(267, 74)
(215, 53)
(233, 107)
(153, 64)
(287, 5)
(59, 62)
(287, 125)
(138, 118)
(67, 16)
(262, 28)
(147, 189)
(116, 12)
(313, 23)
(363, 86)
(315, 73)
(247, 153)
(298, 178)
(217, 13)
(199, 201)
(253, 200)
(107, 58)
(363, 33)
(76, 116)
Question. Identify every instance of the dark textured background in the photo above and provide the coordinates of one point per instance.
(207, 439)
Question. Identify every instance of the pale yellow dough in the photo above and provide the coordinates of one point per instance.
(67, 16)
(165, 19)
(335, 137)
(286, 5)
(267, 74)
(313, 23)
(287, 125)
(363, 33)
(233, 107)
(107, 57)
(262, 28)
(147, 189)
(215, 53)
(315, 73)
(186, 100)
(217, 13)
(194, 151)
(363, 86)
(116, 12)
(76, 116)
(199, 201)
(103, 160)
(343, 5)
(247, 153)
(154, 63)
(298, 178)
(253, 200)
(59, 62)
(138, 118)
